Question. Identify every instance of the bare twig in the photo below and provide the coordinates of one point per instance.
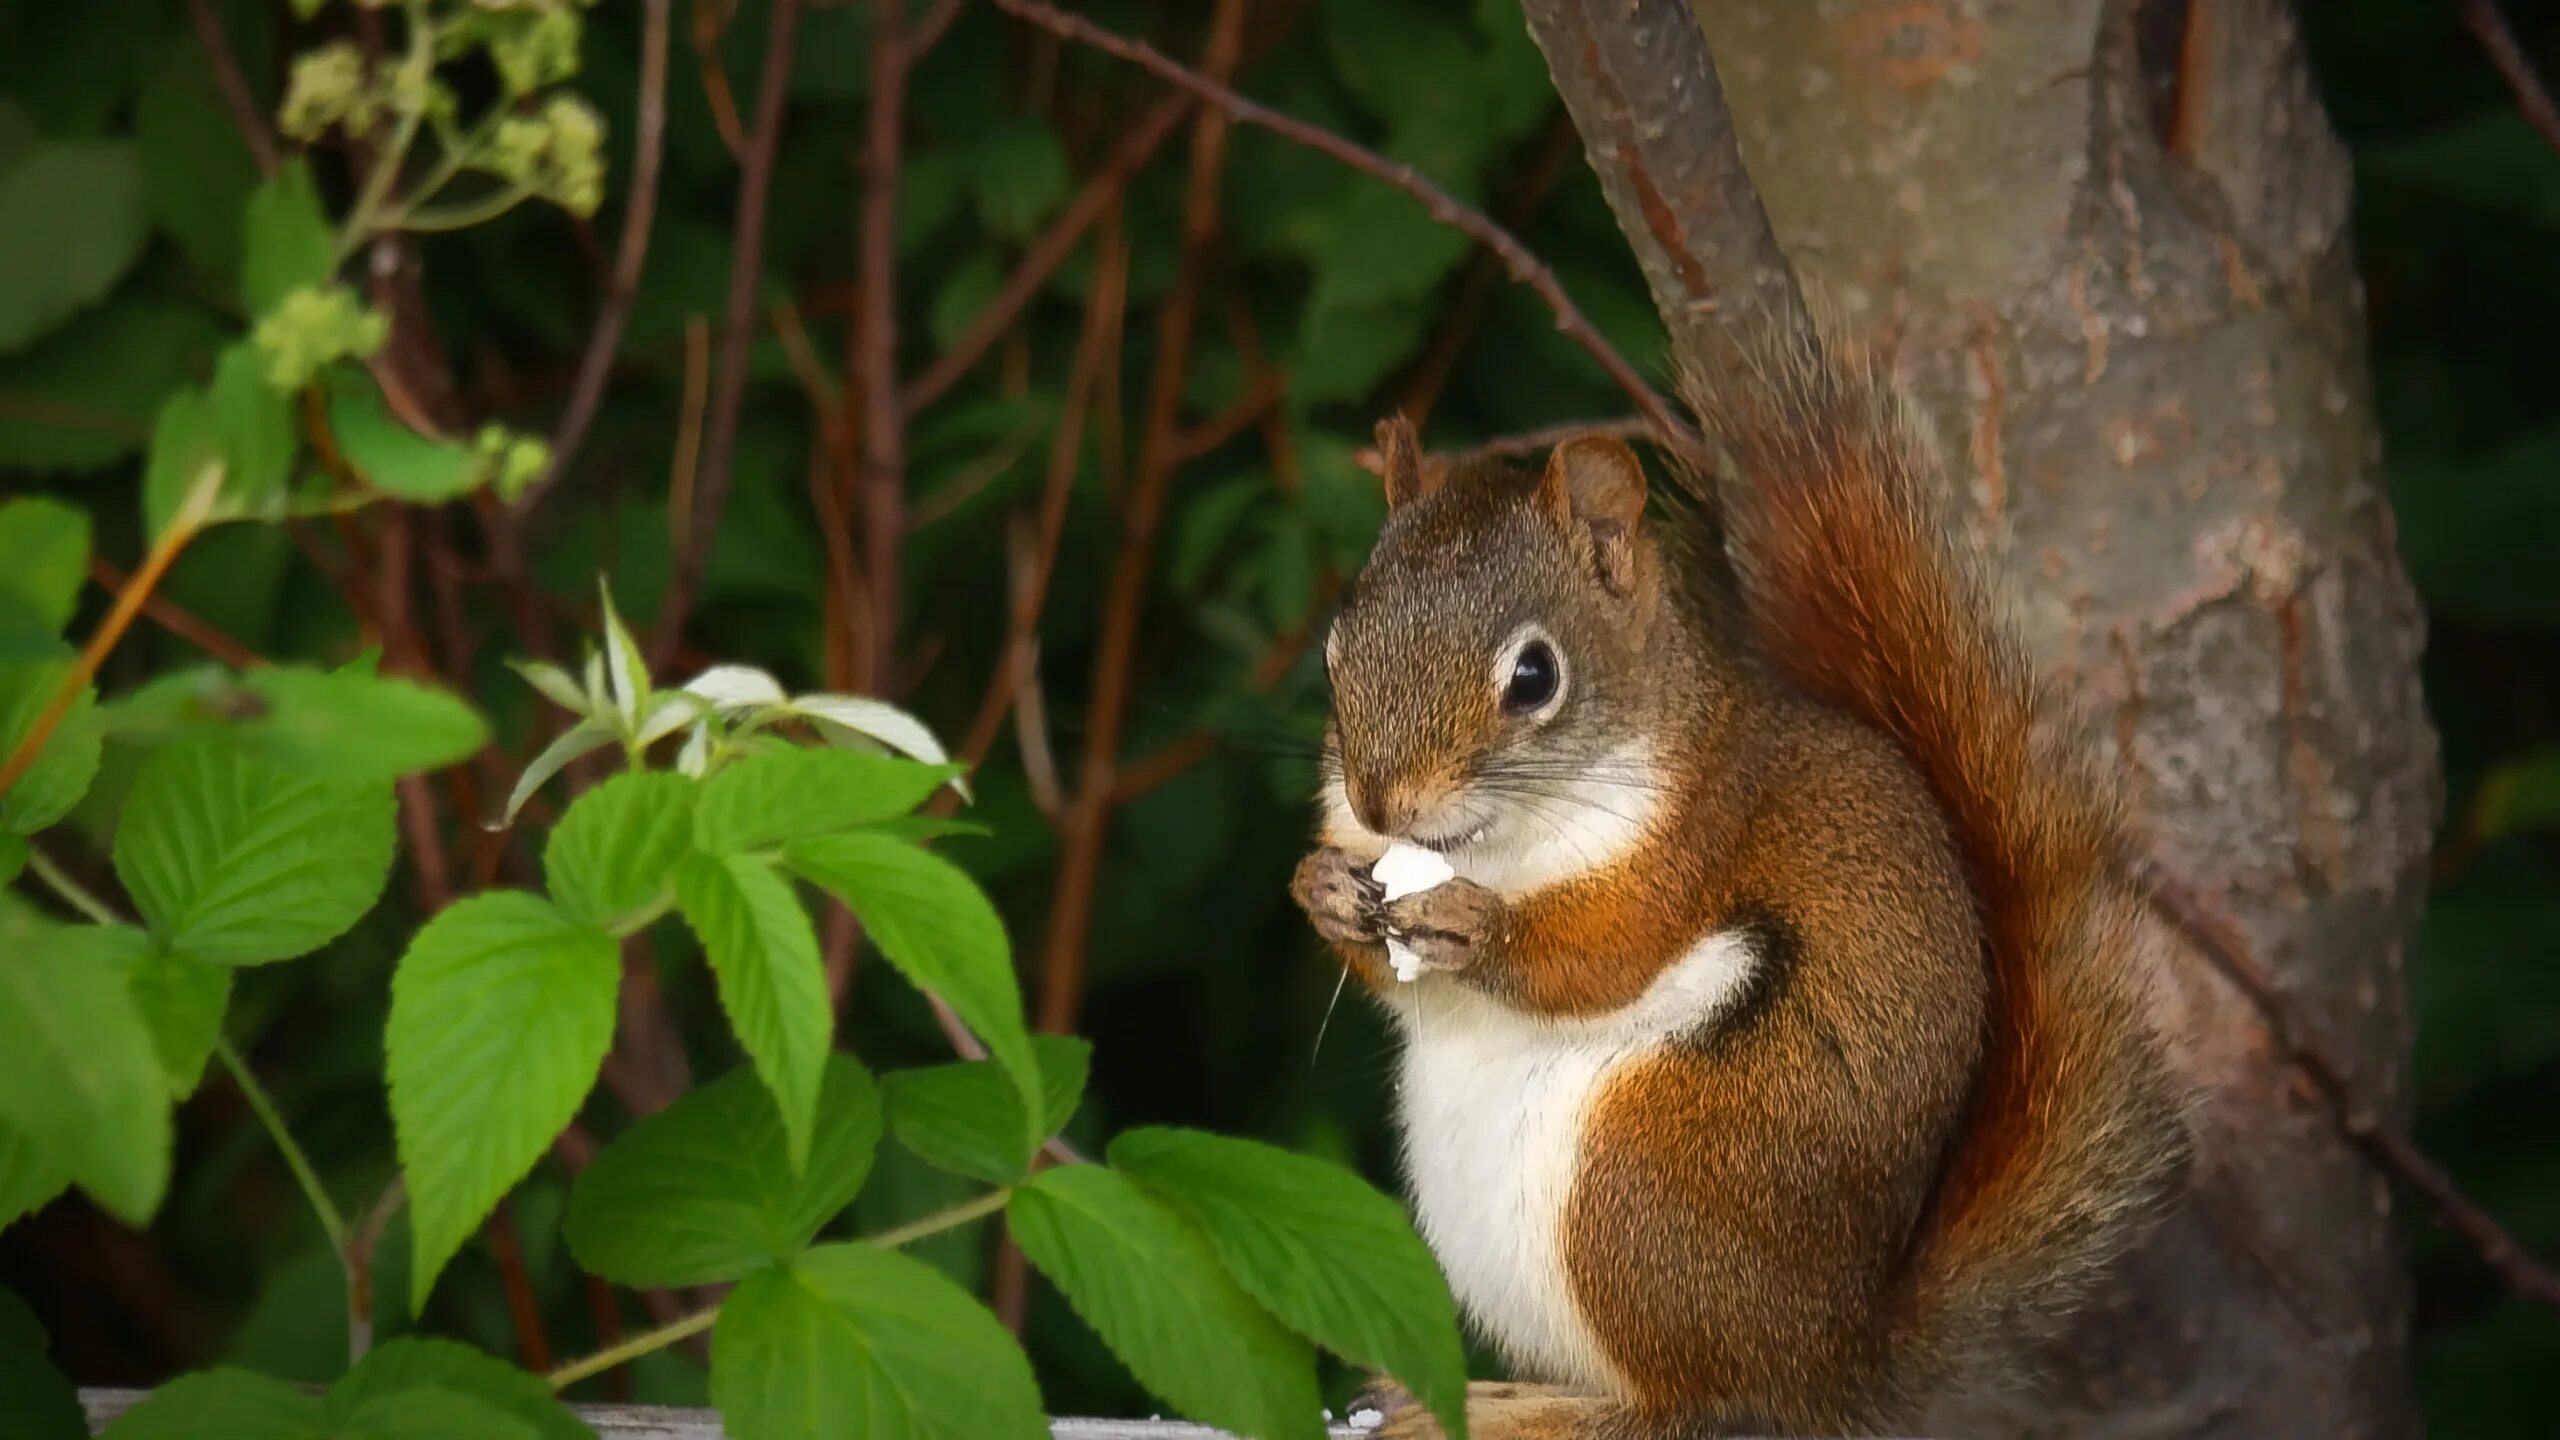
(929, 30)
(1066, 452)
(746, 261)
(715, 80)
(178, 620)
(875, 361)
(1526, 443)
(1046, 254)
(1444, 207)
(2222, 943)
(1088, 816)
(234, 85)
(2514, 67)
(631, 254)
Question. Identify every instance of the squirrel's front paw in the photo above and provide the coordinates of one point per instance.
(1338, 896)
(1447, 926)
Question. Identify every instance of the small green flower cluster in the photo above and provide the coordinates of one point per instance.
(515, 459)
(313, 326)
(557, 154)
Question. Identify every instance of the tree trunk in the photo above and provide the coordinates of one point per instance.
(2104, 242)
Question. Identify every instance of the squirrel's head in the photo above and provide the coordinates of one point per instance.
(1489, 662)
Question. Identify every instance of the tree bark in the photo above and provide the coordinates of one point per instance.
(2105, 244)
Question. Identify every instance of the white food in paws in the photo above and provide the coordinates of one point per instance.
(1408, 870)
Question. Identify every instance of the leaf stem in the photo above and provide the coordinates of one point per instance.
(72, 891)
(701, 1320)
(633, 1348)
(940, 1220)
(418, 67)
(331, 1222)
(183, 527)
(462, 214)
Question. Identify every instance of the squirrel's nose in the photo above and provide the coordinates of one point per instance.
(1387, 807)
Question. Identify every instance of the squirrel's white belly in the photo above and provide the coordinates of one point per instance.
(1492, 1104)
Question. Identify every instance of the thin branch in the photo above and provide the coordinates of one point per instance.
(1442, 206)
(1066, 454)
(875, 359)
(1046, 254)
(1522, 445)
(1115, 659)
(2222, 943)
(178, 620)
(234, 85)
(746, 261)
(631, 254)
(929, 30)
(2514, 67)
(715, 81)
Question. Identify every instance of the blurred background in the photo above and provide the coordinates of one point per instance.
(1235, 378)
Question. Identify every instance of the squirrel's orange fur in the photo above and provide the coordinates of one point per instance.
(1897, 1146)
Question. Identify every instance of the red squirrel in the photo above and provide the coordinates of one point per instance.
(1778, 1061)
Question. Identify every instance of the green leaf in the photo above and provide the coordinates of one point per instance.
(500, 1015)
(615, 852)
(855, 1340)
(792, 794)
(30, 1177)
(1022, 175)
(182, 1001)
(225, 1404)
(78, 1078)
(237, 861)
(704, 1191)
(44, 556)
(391, 457)
(286, 240)
(199, 173)
(85, 396)
(965, 1117)
(254, 427)
(1320, 1248)
(72, 220)
(41, 1403)
(186, 454)
(429, 1412)
(342, 724)
(1150, 1286)
(62, 770)
(771, 981)
(405, 1366)
(932, 922)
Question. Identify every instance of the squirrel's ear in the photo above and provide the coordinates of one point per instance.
(1597, 482)
(1400, 461)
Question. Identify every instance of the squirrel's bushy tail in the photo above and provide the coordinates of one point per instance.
(1851, 583)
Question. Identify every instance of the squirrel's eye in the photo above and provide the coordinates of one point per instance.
(1533, 679)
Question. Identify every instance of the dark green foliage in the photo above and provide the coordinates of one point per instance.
(138, 246)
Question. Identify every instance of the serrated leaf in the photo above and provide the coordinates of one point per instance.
(965, 1117)
(933, 922)
(413, 1363)
(616, 850)
(704, 1191)
(29, 1177)
(1149, 1285)
(500, 1015)
(40, 1401)
(182, 1001)
(235, 861)
(772, 984)
(343, 724)
(254, 428)
(85, 396)
(429, 1412)
(72, 220)
(790, 794)
(62, 770)
(286, 242)
(224, 1404)
(44, 556)
(1319, 1248)
(855, 1340)
(78, 1078)
(184, 471)
(393, 458)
